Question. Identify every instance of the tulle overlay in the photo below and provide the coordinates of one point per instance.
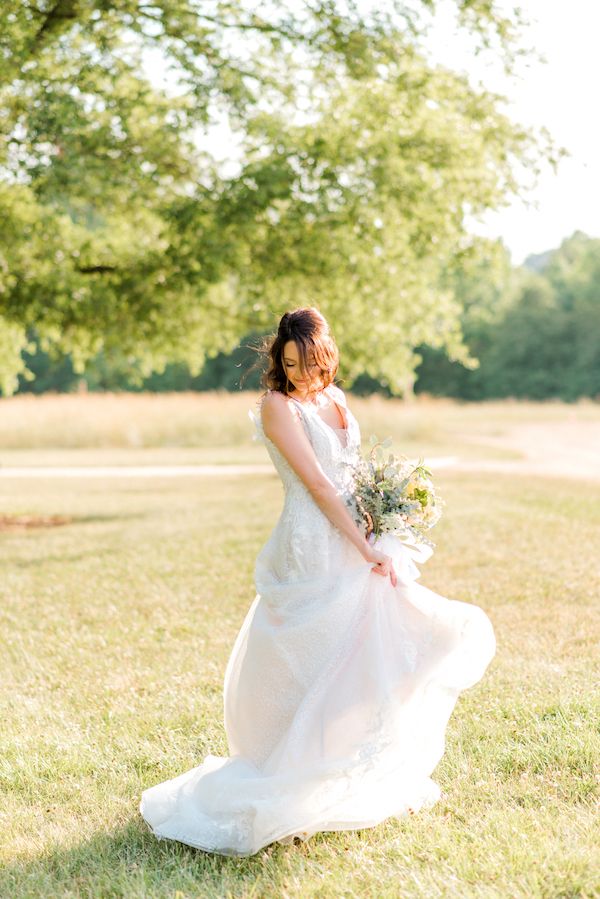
(339, 687)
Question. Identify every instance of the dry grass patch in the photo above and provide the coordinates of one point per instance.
(21, 522)
(214, 420)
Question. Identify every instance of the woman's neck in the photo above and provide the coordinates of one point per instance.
(308, 398)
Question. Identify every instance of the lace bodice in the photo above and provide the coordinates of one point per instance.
(303, 539)
(335, 448)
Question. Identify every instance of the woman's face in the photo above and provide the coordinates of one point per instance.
(291, 366)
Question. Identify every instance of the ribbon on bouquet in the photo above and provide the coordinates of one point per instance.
(405, 551)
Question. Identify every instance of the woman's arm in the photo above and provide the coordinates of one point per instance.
(282, 426)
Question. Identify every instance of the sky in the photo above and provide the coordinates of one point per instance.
(560, 94)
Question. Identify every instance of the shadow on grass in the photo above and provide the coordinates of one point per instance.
(23, 524)
(31, 537)
(122, 516)
(60, 558)
(130, 861)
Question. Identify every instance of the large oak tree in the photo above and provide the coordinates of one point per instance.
(358, 163)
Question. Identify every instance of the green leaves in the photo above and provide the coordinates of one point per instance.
(537, 336)
(124, 234)
(398, 497)
(13, 341)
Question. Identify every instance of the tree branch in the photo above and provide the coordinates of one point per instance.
(62, 12)
(96, 269)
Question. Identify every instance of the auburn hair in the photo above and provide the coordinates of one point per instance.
(310, 332)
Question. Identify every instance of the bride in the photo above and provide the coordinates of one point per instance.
(345, 671)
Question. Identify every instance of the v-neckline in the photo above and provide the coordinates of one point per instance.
(344, 415)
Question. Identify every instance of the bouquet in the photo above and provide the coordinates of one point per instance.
(393, 495)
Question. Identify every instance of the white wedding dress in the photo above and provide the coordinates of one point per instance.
(339, 686)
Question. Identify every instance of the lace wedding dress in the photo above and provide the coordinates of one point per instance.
(339, 686)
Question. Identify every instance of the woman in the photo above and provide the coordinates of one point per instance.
(345, 671)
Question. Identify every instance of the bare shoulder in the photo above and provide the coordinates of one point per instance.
(277, 408)
(274, 402)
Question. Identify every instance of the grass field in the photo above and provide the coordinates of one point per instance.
(116, 629)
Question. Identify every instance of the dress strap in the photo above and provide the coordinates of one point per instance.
(337, 394)
(297, 408)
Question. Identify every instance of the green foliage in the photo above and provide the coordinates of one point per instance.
(13, 341)
(358, 160)
(535, 333)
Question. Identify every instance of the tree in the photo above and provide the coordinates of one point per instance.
(534, 329)
(487, 287)
(359, 160)
(574, 273)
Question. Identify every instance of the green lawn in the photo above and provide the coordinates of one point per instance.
(116, 629)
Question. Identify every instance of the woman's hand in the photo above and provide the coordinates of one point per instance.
(382, 564)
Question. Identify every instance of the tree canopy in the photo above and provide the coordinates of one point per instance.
(534, 329)
(358, 164)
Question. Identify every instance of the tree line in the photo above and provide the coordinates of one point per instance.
(534, 331)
